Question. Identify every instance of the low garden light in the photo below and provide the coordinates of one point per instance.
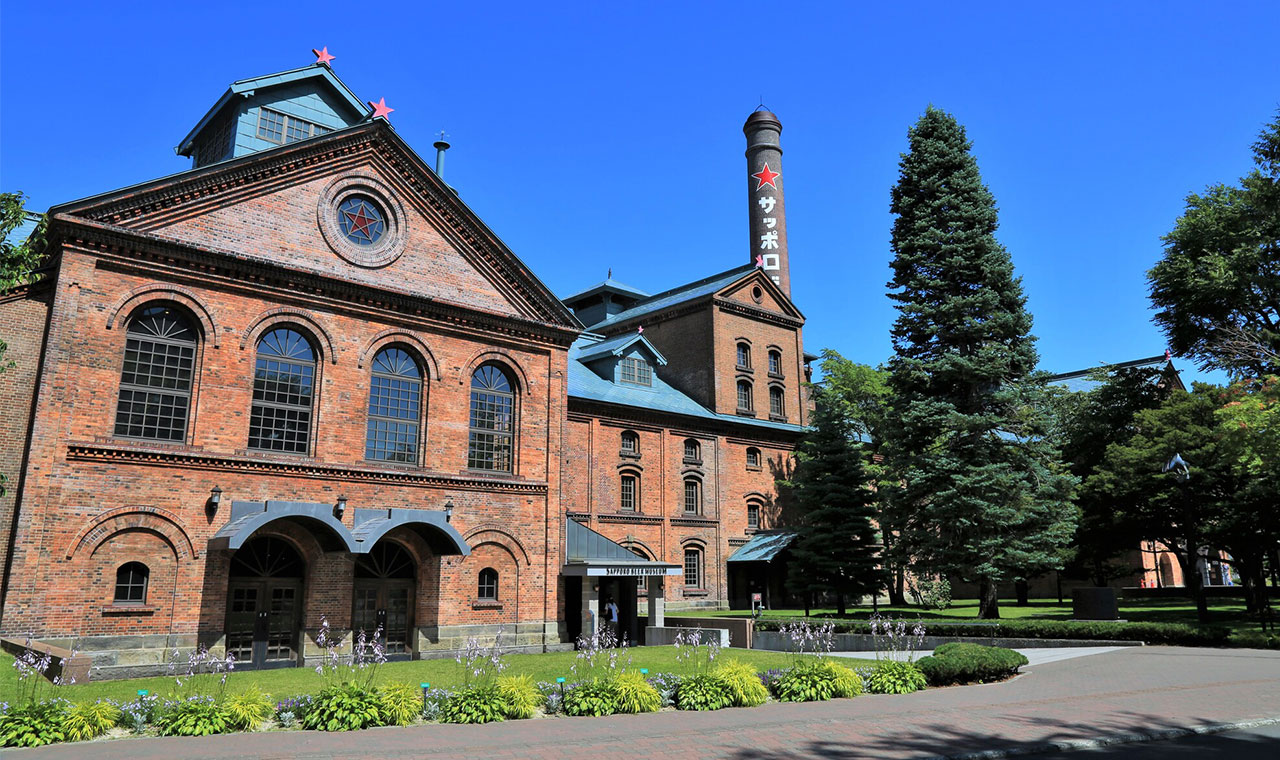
(142, 692)
(560, 681)
(425, 687)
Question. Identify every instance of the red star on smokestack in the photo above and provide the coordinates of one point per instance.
(766, 177)
(322, 55)
(380, 108)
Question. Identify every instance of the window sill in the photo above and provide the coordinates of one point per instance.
(754, 468)
(744, 370)
(746, 413)
(777, 418)
(696, 592)
(697, 462)
(486, 604)
(129, 609)
(629, 454)
(776, 376)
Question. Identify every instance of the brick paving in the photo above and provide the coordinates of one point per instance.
(1123, 691)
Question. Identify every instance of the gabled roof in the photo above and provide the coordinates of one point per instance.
(610, 285)
(616, 345)
(661, 397)
(689, 292)
(249, 86)
(1082, 379)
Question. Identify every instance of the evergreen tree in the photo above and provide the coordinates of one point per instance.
(837, 550)
(984, 495)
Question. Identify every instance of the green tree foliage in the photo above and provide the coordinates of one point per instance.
(984, 495)
(18, 260)
(1085, 424)
(1217, 289)
(837, 550)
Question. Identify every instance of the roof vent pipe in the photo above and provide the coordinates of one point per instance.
(441, 146)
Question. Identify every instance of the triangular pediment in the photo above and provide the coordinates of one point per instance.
(755, 290)
(356, 205)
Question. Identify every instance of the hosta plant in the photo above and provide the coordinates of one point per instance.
(344, 707)
(810, 682)
(594, 698)
(895, 677)
(635, 694)
(702, 692)
(474, 704)
(193, 716)
(33, 724)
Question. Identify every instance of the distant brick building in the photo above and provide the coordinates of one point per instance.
(304, 380)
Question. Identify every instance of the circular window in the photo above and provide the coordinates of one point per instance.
(757, 294)
(362, 221)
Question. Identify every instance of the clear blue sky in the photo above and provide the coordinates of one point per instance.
(609, 134)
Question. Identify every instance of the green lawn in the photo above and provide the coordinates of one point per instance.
(288, 682)
(1223, 611)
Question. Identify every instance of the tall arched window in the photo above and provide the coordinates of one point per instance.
(487, 587)
(692, 450)
(744, 356)
(775, 363)
(753, 515)
(693, 567)
(395, 406)
(776, 409)
(629, 492)
(630, 442)
(155, 385)
(692, 496)
(283, 392)
(744, 396)
(492, 420)
(131, 583)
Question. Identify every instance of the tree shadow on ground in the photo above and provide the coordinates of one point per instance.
(932, 740)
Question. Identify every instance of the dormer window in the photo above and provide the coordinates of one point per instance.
(277, 127)
(744, 356)
(636, 371)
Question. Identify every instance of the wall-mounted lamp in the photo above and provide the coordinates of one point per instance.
(215, 498)
(340, 507)
(448, 511)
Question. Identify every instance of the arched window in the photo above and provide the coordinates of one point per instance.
(492, 420)
(487, 588)
(692, 496)
(753, 515)
(744, 396)
(630, 442)
(629, 492)
(284, 379)
(775, 364)
(131, 583)
(693, 567)
(395, 406)
(775, 403)
(753, 457)
(692, 450)
(744, 356)
(155, 385)
(642, 583)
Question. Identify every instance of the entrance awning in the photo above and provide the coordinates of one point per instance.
(370, 525)
(589, 553)
(763, 547)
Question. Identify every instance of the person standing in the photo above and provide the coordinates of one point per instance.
(611, 618)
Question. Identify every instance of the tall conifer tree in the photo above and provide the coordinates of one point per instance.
(837, 550)
(984, 496)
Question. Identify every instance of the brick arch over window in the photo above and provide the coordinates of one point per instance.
(497, 356)
(388, 337)
(159, 521)
(634, 544)
(182, 296)
(489, 533)
(270, 318)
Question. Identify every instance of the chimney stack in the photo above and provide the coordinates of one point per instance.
(766, 208)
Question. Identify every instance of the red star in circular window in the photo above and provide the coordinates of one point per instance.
(361, 221)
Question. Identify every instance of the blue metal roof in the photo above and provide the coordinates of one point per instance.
(1083, 379)
(607, 285)
(586, 384)
(616, 345)
(762, 547)
(689, 292)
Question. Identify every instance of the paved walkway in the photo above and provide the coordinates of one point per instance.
(1131, 689)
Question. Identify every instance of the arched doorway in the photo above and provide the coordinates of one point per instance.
(383, 598)
(264, 603)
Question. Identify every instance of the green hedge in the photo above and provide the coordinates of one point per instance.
(969, 663)
(1177, 634)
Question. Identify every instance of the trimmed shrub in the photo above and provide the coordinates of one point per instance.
(193, 716)
(33, 725)
(702, 692)
(520, 696)
(344, 707)
(969, 663)
(635, 694)
(248, 709)
(400, 704)
(1173, 634)
(810, 682)
(474, 704)
(89, 719)
(742, 682)
(592, 698)
(895, 677)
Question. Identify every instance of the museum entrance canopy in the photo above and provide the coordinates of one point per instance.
(591, 554)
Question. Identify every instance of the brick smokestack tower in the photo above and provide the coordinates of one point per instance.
(765, 204)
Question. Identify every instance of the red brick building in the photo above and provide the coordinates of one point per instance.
(304, 380)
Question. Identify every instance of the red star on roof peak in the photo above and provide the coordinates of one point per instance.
(380, 108)
(766, 177)
(322, 55)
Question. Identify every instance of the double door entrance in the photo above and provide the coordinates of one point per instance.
(264, 604)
